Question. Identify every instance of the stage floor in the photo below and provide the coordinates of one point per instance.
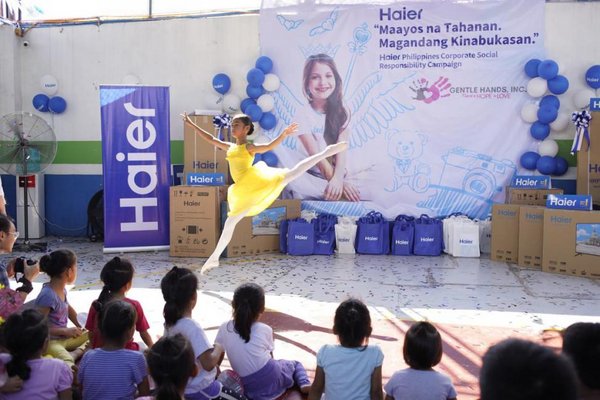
(473, 302)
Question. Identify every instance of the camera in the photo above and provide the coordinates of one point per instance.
(23, 262)
(25, 43)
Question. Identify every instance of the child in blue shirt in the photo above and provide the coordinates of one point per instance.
(352, 369)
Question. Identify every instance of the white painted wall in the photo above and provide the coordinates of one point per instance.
(186, 53)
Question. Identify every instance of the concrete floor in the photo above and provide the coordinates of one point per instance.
(473, 302)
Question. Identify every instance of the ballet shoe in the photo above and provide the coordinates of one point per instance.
(208, 265)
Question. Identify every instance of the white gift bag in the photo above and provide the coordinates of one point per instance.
(345, 234)
(464, 238)
(447, 225)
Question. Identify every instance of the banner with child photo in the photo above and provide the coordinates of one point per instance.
(428, 94)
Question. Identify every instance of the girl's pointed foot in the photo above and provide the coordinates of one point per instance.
(208, 265)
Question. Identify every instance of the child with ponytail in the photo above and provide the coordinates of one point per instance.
(65, 343)
(171, 362)
(249, 346)
(352, 369)
(180, 291)
(25, 336)
(117, 276)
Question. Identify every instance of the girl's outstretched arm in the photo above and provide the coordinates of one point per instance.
(263, 148)
(205, 135)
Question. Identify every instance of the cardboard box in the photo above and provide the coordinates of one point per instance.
(588, 163)
(260, 234)
(195, 220)
(531, 233)
(572, 242)
(505, 232)
(198, 154)
(529, 197)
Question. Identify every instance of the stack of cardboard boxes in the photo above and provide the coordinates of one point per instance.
(196, 214)
(535, 231)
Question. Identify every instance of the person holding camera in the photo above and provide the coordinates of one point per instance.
(28, 269)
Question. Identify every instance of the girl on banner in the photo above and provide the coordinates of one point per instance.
(256, 186)
(327, 119)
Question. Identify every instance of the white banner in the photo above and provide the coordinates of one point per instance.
(427, 93)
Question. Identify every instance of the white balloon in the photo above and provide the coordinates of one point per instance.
(548, 147)
(271, 82)
(529, 113)
(49, 85)
(537, 87)
(231, 103)
(266, 102)
(561, 122)
(214, 100)
(581, 99)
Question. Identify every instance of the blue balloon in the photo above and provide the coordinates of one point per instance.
(268, 121)
(257, 158)
(40, 102)
(547, 114)
(254, 92)
(539, 130)
(254, 112)
(531, 67)
(550, 100)
(529, 160)
(245, 103)
(57, 105)
(265, 64)
(546, 165)
(558, 85)
(548, 69)
(221, 83)
(562, 166)
(592, 76)
(255, 77)
(270, 159)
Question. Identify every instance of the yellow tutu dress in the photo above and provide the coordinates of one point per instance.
(256, 186)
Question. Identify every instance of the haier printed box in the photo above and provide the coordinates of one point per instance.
(505, 233)
(195, 220)
(570, 202)
(572, 242)
(198, 154)
(531, 182)
(260, 234)
(530, 197)
(588, 159)
(531, 233)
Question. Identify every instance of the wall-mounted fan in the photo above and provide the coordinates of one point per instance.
(27, 148)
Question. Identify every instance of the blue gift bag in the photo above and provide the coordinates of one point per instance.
(300, 237)
(283, 231)
(428, 236)
(372, 234)
(403, 235)
(325, 234)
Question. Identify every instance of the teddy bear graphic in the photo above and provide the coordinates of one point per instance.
(405, 148)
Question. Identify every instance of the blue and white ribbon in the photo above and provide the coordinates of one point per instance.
(222, 121)
(581, 120)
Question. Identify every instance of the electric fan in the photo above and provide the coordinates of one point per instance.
(27, 146)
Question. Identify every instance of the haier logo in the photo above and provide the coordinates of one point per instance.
(300, 237)
(560, 220)
(465, 241)
(534, 216)
(371, 238)
(321, 241)
(570, 202)
(211, 179)
(402, 242)
(507, 213)
(342, 240)
(531, 182)
(427, 239)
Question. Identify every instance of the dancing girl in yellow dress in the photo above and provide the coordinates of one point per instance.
(256, 186)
